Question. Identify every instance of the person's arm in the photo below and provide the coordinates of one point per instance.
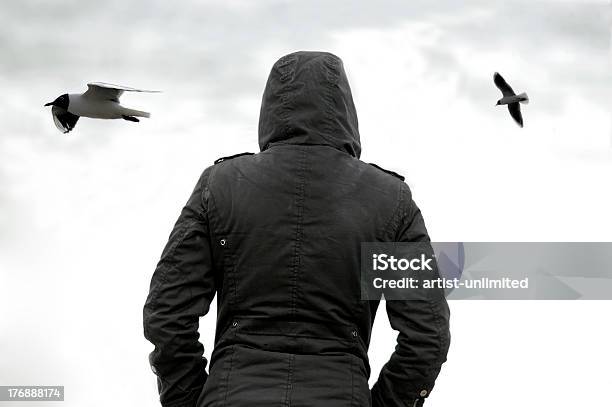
(423, 325)
(181, 291)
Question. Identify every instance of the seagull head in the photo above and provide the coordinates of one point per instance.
(62, 101)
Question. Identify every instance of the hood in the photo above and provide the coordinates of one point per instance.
(307, 100)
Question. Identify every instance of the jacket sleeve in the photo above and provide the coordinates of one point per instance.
(181, 291)
(423, 330)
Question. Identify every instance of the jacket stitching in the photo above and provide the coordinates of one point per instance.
(291, 362)
(400, 212)
(331, 78)
(227, 376)
(225, 258)
(393, 216)
(442, 340)
(286, 67)
(352, 370)
(334, 339)
(299, 200)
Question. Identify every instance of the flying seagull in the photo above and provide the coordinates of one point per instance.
(510, 98)
(100, 101)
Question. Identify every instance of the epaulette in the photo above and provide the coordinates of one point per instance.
(219, 160)
(395, 174)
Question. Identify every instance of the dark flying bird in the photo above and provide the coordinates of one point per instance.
(510, 98)
(100, 101)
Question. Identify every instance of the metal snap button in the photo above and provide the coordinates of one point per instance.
(222, 242)
(423, 393)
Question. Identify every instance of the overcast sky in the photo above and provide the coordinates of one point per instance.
(84, 216)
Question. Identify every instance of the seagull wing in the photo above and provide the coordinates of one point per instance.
(108, 91)
(515, 112)
(502, 85)
(63, 119)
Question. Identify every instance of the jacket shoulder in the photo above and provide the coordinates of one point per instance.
(221, 159)
(395, 174)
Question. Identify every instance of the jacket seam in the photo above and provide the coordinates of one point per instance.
(441, 341)
(296, 264)
(288, 386)
(332, 78)
(394, 215)
(229, 372)
(352, 370)
(286, 68)
(348, 341)
(226, 258)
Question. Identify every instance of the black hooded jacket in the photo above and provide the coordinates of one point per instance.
(276, 236)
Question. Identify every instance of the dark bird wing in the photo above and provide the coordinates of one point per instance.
(515, 112)
(502, 85)
(63, 119)
(108, 91)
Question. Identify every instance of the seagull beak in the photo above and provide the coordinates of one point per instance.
(49, 104)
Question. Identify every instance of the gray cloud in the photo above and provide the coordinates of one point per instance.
(207, 51)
